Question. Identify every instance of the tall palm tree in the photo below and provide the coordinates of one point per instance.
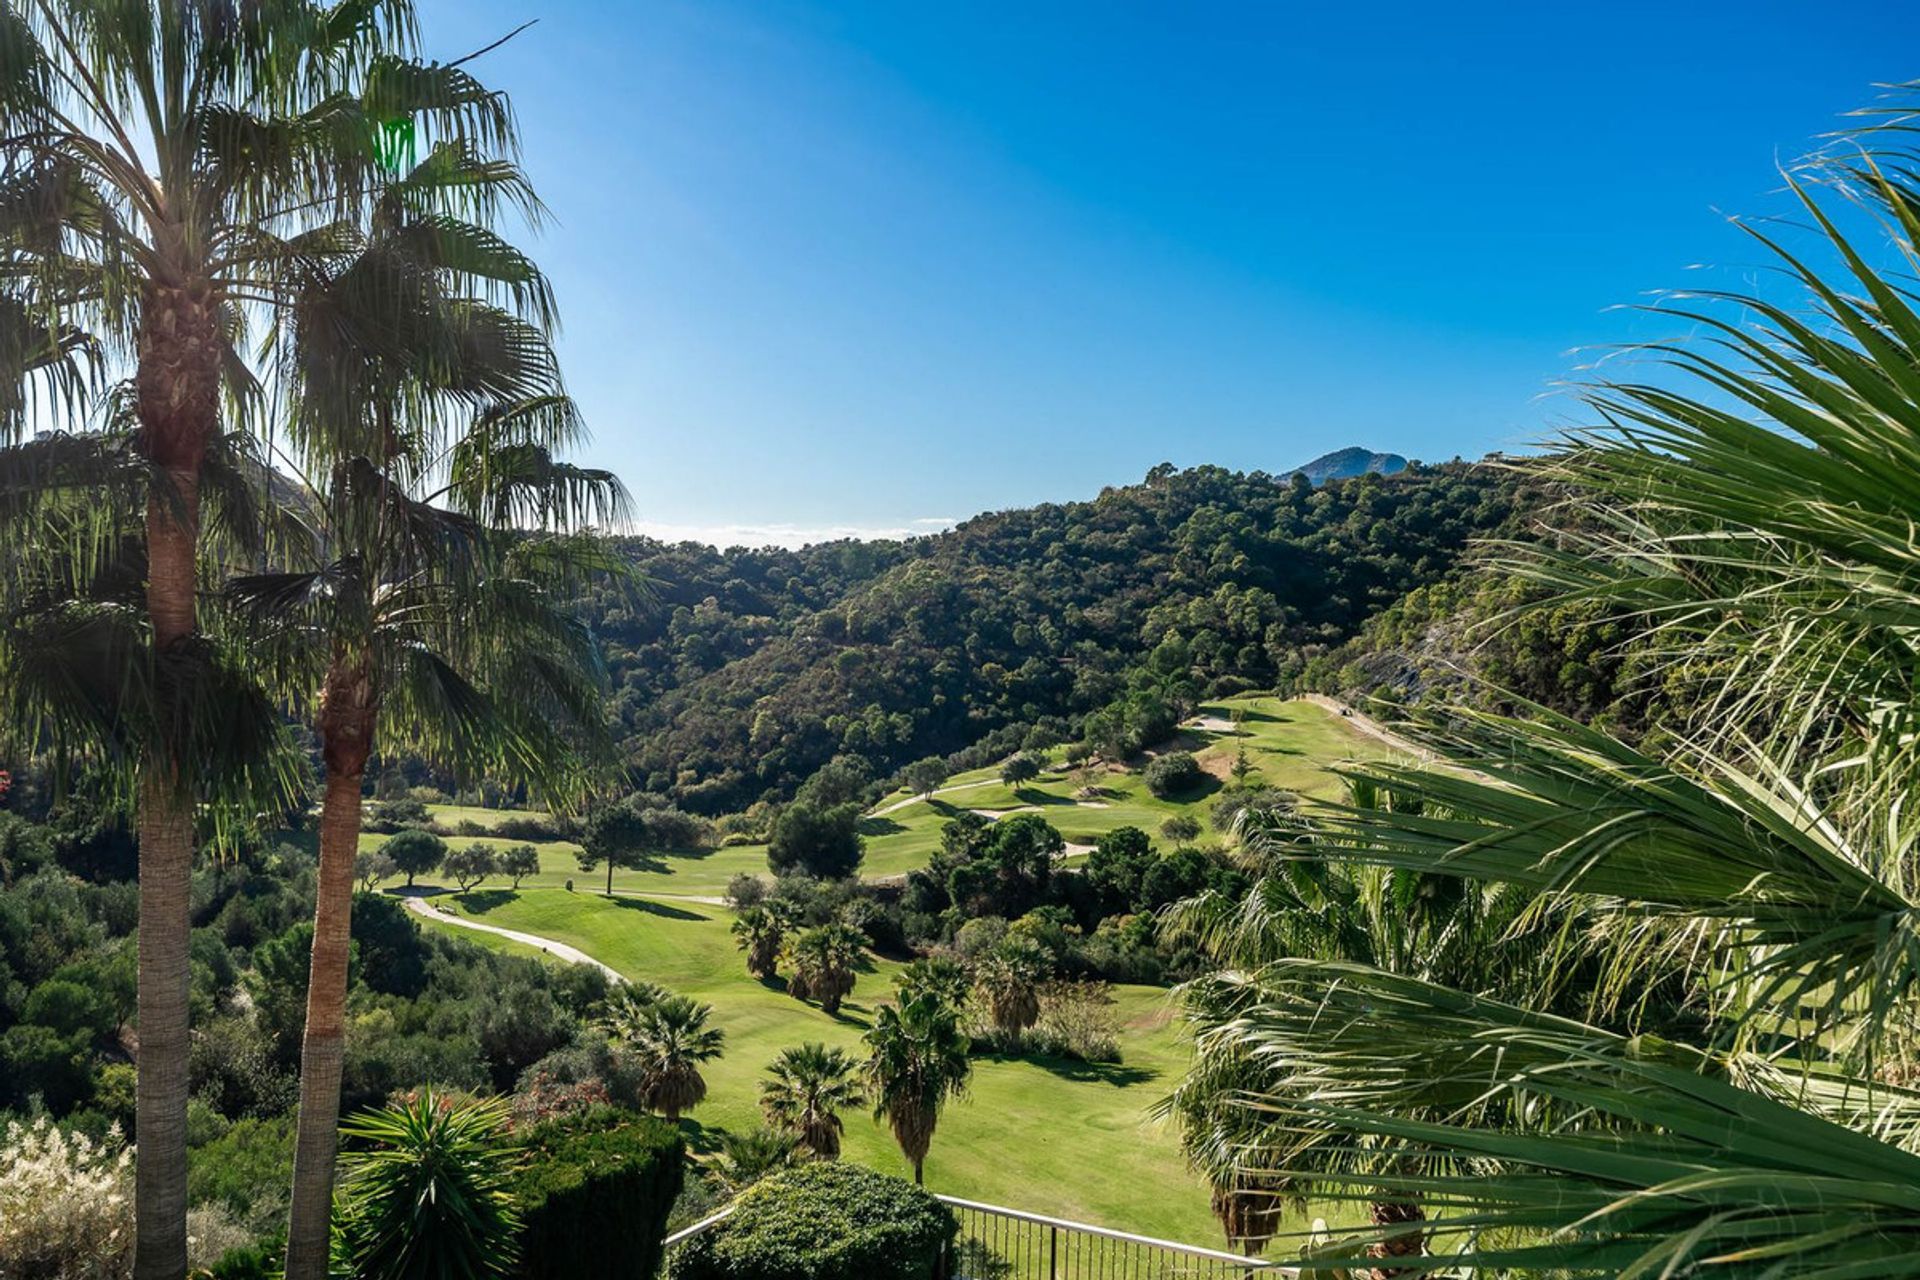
(825, 958)
(810, 1086)
(165, 164)
(1762, 855)
(917, 1060)
(672, 1039)
(428, 616)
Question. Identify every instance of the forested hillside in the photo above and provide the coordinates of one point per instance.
(749, 669)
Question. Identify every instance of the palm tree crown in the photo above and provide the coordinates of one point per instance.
(672, 1039)
(810, 1085)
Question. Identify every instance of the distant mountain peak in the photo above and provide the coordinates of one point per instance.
(1344, 464)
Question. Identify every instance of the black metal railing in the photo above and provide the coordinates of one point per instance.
(998, 1243)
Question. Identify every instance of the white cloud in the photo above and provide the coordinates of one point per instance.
(777, 534)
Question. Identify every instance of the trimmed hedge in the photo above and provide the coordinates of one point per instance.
(594, 1195)
(824, 1221)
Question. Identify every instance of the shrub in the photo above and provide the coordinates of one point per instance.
(824, 1221)
(246, 1171)
(66, 1205)
(1077, 1020)
(528, 826)
(389, 816)
(594, 1195)
(1173, 773)
(746, 890)
(1181, 828)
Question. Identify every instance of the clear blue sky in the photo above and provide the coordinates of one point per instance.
(873, 266)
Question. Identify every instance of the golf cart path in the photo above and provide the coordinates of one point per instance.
(422, 908)
(898, 805)
(1366, 724)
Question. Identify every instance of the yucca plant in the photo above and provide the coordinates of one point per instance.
(426, 1192)
(1754, 512)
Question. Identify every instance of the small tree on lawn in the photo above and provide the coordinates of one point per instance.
(924, 777)
(1181, 828)
(823, 965)
(1009, 979)
(810, 1085)
(415, 852)
(369, 869)
(917, 1060)
(616, 835)
(1019, 770)
(672, 1039)
(470, 866)
(518, 861)
(760, 931)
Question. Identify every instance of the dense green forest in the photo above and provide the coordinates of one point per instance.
(744, 671)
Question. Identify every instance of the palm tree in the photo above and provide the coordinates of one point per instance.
(1400, 920)
(746, 1158)
(760, 931)
(939, 976)
(811, 1085)
(426, 620)
(672, 1039)
(1009, 979)
(824, 959)
(1759, 855)
(165, 164)
(917, 1060)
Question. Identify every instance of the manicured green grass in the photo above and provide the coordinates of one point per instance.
(1052, 1136)
(1290, 744)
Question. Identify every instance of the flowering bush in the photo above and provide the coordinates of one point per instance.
(66, 1205)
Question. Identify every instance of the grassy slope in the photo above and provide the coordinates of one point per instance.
(1289, 743)
(1053, 1137)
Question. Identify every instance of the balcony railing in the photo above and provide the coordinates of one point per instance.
(997, 1243)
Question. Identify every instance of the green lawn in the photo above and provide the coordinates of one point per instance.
(1290, 744)
(1053, 1137)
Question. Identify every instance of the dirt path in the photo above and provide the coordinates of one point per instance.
(423, 908)
(1368, 725)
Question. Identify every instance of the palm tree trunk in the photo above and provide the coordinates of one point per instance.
(346, 734)
(177, 389)
(160, 1113)
(166, 866)
(1410, 1243)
